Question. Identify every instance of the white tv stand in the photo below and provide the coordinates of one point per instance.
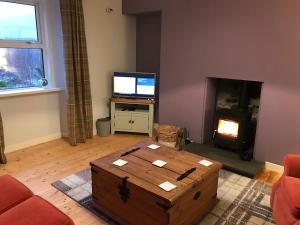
(132, 115)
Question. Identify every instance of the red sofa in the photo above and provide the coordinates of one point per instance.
(19, 206)
(285, 198)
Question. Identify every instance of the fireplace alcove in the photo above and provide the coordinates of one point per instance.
(230, 121)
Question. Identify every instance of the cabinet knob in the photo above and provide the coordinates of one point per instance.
(129, 121)
(132, 121)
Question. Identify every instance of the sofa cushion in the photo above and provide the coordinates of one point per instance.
(35, 211)
(291, 186)
(12, 192)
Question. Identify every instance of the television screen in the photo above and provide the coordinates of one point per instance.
(124, 85)
(145, 86)
(137, 85)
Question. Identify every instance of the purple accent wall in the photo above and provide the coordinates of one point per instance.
(251, 40)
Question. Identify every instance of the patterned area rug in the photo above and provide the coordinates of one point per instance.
(242, 200)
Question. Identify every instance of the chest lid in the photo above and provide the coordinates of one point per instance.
(182, 169)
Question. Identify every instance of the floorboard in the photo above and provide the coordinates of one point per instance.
(40, 165)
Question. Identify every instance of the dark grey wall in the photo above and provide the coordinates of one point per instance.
(209, 107)
(252, 40)
(148, 38)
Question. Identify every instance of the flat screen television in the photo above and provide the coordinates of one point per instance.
(134, 85)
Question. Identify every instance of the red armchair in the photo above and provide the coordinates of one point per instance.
(19, 206)
(12, 193)
(285, 199)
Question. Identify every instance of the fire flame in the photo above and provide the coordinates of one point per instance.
(228, 128)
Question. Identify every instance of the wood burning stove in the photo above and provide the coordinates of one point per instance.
(233, 125)
(231, 130)
(236, 104)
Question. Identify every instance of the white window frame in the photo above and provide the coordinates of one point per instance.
(40, 44)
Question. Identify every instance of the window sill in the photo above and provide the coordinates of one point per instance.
(27, 91)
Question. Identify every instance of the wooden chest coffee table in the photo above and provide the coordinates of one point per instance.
(130, 194)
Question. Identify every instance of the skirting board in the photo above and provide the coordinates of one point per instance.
(26, 144)
(274, 167)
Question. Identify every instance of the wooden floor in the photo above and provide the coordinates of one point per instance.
(39, 166)
(268, 176)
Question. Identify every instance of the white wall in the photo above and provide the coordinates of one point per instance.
(54, 38)
(30, 120)
(111, 43)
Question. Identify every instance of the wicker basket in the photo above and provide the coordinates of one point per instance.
(166, 134)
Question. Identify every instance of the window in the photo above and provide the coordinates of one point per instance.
(21, 47)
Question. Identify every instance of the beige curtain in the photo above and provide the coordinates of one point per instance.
(2, 146)
(80, 118)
